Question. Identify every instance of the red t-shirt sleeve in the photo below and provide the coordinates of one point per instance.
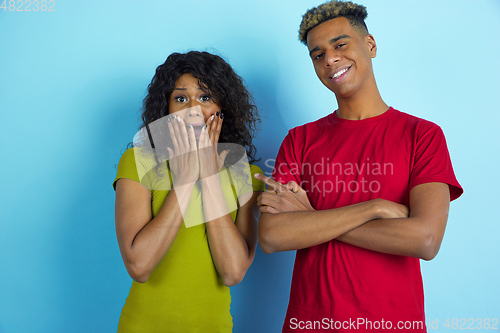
(286, 167)
(432, 161)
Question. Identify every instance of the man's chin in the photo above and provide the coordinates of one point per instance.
(341, 92)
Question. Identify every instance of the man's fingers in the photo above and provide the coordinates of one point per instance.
(271, 199)
(258, 200)
(276, 186)
(292, 186)
(268, 209)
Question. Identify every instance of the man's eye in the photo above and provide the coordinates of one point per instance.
(180, 99)
(340, 45)
(318, 56)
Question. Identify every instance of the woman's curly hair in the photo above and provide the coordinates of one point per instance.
(356, 14)
(241, 116)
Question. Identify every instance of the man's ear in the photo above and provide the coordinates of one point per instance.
(372, 46)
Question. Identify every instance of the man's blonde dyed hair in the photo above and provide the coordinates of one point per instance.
(356, 14)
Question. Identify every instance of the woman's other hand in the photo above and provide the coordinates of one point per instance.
(183, 158)
(210, 161)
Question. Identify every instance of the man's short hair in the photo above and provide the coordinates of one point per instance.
(356, 14)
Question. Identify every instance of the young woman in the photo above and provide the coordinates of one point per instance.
(182, 239)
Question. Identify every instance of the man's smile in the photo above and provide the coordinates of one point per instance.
(339, 73)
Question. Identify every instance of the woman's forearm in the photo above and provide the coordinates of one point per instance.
(229, 249)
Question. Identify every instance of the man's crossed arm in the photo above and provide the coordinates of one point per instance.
(289, 222)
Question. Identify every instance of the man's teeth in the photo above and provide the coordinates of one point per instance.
(336, 75)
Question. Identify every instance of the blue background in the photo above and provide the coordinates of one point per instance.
(71, 86)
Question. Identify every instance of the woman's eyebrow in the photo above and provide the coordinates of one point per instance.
(186, 89)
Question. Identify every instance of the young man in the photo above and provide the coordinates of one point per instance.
(367, 193)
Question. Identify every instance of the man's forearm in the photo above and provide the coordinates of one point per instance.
(297, 230)
(419, 235)
(405, 237)
(394, 236)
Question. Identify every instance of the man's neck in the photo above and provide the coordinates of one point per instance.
(362, 105)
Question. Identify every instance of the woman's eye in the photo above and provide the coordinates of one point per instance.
(180, 99)
(205, 98)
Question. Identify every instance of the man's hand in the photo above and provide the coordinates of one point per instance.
(280, 198)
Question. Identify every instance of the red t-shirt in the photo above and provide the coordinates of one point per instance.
(342, 162)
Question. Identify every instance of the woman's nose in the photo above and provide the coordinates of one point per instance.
(194, 112)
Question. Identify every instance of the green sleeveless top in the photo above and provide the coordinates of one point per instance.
(184, 293)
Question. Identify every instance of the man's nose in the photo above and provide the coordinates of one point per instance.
(331, 58)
